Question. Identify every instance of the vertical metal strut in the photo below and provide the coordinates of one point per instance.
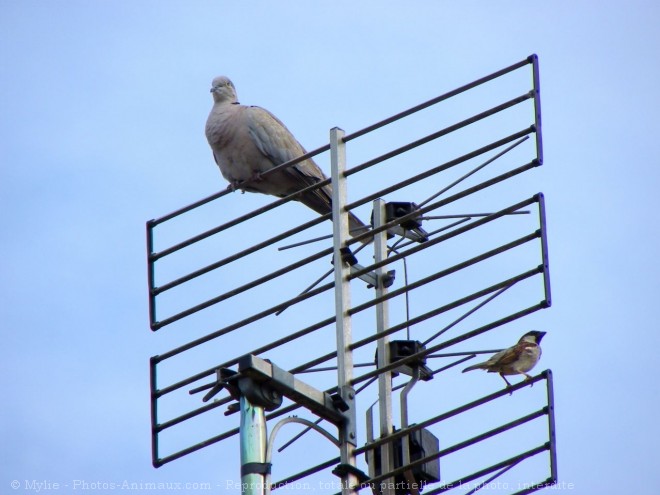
(347, 433)
(253, 448)
(382, 323)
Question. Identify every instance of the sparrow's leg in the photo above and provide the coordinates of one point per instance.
(528, 378)
(507, 381)
(508, 385)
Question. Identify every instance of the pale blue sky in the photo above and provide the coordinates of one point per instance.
(103, 106)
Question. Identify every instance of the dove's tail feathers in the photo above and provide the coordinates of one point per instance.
(480, 366)
(356, 227)
(320, 201)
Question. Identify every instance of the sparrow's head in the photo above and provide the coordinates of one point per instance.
(533, 337)
(223, 90)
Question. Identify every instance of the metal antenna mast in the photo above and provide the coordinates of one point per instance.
(347, 432)
(383, 347)
(253, 448)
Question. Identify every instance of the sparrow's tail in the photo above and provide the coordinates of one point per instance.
(479, 366)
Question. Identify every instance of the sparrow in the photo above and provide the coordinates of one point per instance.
(516, 360)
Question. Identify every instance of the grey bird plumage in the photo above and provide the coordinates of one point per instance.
(247, 141)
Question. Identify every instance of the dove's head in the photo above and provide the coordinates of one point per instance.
(223, 90)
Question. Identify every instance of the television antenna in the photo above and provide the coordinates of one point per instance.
(259, 346)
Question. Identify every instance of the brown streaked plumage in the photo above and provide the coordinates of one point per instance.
(516, 360)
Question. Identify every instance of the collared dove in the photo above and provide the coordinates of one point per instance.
(248, 140)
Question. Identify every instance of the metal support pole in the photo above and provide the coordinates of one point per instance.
(383, 346)
(253, 448)
(347, 432)
(405, 445)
